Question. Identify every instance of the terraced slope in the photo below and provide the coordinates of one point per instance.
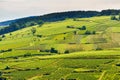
(63, 51)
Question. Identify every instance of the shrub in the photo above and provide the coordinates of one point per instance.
(0, 39)
(83, 28)
(72, 79)
(27, 54)
(74, 19)
(46, 74)
(10, 33)
(39, 36)
(0, 73)
(9, 50)
(33, 30)
(7, 68)
(3, 78)
(15, 57)
(66, 51)
(1, 51)
(75, 32)
(47, 50)
(113, 17)
(87, 32)
(79, 28)
(94, 32)
(52, 50)
(117, 64)
(119, 16)
(62, 79)
(70, 27)
(99, 48)
(64, 38)
(37, 68)
(3, 36)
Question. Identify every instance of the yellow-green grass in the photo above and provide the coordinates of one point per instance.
(56, 28)
(87, 54)
(64, 66)
(81, 64)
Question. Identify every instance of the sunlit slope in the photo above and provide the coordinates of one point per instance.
(89, 54)
(57, 33)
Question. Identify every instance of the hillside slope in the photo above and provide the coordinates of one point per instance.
(72, 49)
(52, 17)
(99, 31)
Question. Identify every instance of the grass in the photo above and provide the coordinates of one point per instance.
(89, 57)
(64, 66)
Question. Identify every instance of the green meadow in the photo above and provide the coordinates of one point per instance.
(72, 49)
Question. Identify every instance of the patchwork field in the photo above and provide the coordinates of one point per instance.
(72, 49)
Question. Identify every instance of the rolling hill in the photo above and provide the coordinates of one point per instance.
(52, 17)
(85, 48)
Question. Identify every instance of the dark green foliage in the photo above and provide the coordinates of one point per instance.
(7, 68)
(62, 79)
(94, 32)
(70, 27)
(37, 68)
(72, 79)
(15, 57)
(3, 36)
(19, 24)
(8, 50)
(33, 30)
(87, 32)
(52, 50)
(119, 16)
(1, 51)
(0, 39)
(110, 12)
(74, 19)
(39, 20)
(64, 38)
(83, 28)
(66, 51)
(117, 64)
(0, 73)
(3, 78)
(46, 74)
(10, 33)
(39, 36)
(98, 48)
(75, 32)
(27, 54)
(31, 24)
(113, 17)
(45, 50)
(40, 23)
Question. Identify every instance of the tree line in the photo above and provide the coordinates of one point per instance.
(39, 20)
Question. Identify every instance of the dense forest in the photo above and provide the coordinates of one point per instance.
(39, 20)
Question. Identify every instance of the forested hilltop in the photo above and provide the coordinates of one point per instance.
(39, 20)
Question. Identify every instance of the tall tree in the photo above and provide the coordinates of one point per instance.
(119, 16)
(33, 30)
(113, 17)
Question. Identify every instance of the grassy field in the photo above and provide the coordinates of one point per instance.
(76, 65)
(62, 51)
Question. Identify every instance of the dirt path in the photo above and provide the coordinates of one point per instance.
(102, 75)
